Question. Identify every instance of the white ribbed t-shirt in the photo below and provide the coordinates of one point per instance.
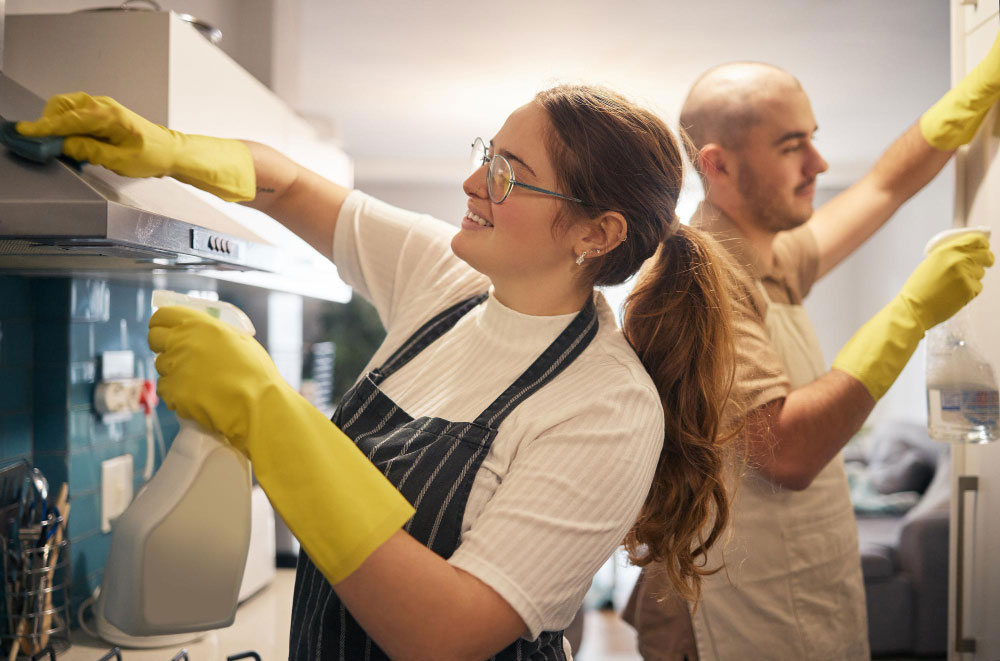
(569, 468)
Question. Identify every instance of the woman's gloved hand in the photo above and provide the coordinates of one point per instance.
(100, 130)
(335, 501)
(955, 118)
(948, 278)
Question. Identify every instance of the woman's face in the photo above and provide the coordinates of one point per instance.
(517, 245)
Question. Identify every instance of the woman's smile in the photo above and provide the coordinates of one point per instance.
(472, 220)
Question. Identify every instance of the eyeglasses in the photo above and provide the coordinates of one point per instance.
(500, 176)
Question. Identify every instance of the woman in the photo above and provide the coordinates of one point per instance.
(503, 443)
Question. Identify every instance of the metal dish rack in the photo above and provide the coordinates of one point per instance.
(35, 586)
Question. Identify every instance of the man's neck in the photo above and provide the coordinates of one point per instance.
(762, 240)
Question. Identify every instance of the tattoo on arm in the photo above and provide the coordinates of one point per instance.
(263, 189)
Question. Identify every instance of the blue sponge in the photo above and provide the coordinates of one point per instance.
(40, 150)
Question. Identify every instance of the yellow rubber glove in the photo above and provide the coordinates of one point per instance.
(100, 130)
(336, 502)
(948, 278)
(954, 119)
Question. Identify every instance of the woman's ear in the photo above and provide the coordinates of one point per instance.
(601, 235)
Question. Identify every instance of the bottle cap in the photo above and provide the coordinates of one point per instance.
(947, 235)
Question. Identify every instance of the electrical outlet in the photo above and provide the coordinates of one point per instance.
(116, 488)
(120, 396)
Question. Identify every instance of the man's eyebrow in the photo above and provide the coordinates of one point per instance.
(510, 156)
(793, 135)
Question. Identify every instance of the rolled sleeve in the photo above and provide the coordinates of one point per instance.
(760, 372)
(387, 254)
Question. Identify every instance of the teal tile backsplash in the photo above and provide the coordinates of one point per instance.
(52, 334)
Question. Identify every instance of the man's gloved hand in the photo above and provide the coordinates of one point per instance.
(100, 130)
(954, 119)
(948, 278)
(335, 501)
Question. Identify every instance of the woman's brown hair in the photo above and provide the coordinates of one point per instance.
(618, 156)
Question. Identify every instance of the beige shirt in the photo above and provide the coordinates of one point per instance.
(760, 372)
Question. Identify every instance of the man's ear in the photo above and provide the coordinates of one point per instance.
(713, 161)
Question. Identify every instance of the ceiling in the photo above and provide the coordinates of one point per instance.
(409, 84)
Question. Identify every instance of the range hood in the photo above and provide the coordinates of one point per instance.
(54, 218)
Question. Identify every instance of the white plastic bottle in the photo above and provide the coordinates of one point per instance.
(963, 402)
(179, 550)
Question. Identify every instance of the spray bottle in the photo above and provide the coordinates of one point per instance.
(963, 404)
(179, 550)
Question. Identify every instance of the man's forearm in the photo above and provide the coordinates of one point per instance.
(907, 165)
(850, 218)
(791, 440)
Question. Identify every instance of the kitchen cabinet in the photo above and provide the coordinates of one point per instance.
(974, 584)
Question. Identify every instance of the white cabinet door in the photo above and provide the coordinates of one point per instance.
(974, 630)
(977, 12)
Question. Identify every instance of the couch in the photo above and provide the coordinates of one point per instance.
(900, 485)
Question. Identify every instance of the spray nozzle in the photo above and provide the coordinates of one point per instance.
(221, 310)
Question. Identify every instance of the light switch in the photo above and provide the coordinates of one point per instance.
(116, 488)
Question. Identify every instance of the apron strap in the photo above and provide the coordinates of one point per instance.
(570, 344)
(426, 334)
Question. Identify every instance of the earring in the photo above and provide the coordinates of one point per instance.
(598, 251)
(583, 256)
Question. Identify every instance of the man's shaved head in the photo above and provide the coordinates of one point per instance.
(751, 130)
(727, 101)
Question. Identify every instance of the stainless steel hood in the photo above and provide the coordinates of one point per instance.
(55, 219)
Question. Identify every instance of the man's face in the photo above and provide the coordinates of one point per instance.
(777, 166)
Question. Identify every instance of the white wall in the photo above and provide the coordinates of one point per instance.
(446, 201)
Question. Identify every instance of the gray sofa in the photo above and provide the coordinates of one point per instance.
(904, 555)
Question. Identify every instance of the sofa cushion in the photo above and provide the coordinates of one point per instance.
(877, 561)
(902, 458)
(868, 501)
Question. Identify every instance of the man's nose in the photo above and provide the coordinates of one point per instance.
(816, 164)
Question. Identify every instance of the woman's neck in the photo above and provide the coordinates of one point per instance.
(542, 299)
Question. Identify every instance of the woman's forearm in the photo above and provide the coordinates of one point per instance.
(297, 197)
(415, 605)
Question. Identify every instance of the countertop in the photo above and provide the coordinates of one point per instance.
(262, 624)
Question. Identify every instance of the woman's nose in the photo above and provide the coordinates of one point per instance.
(475, 184)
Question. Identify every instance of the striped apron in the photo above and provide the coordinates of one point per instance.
(433, 462)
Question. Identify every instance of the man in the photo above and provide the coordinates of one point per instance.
(792, 585)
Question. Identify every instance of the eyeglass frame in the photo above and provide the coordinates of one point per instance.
(513, 181)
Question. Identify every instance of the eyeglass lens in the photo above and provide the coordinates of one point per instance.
(498, 179)
(499, 176)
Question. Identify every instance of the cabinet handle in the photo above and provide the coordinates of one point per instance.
(966, 484)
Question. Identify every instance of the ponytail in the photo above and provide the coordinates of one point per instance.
(678, 320)
(621, 157)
